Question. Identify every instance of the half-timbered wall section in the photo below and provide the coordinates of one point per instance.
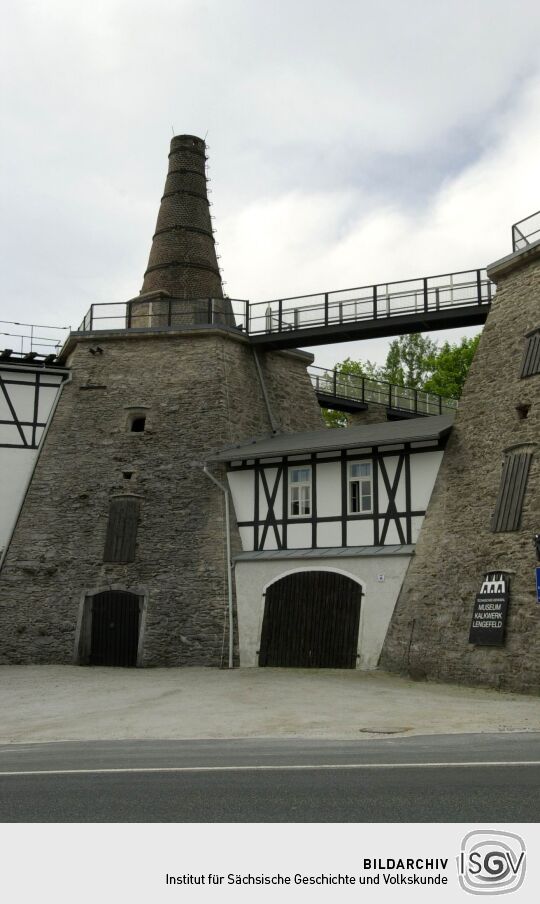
(368, 495)
(318, 509)
(27, 396)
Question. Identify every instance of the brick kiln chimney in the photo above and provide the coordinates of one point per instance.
(183, 256)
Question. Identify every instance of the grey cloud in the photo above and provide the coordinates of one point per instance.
(375, 105)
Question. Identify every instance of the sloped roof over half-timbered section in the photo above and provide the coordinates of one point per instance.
(420, 429)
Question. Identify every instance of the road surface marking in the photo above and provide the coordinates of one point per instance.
(268, 768)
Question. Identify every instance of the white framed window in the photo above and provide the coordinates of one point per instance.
(299, 492)
(360, 487)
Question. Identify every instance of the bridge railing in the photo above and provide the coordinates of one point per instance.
(526, 231)
(365, 390)
(165, 313)
(384, 300)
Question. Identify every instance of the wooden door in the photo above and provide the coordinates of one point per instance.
(311, 620)
(115, 628)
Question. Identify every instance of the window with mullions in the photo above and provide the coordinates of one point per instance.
(360, 490)
(299, 492)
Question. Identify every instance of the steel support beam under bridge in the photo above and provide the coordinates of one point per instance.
(395, 325)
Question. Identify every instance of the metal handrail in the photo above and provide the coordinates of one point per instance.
(30, 341)
(166, 313)
(375, 302)
(337, 384)
(523, 235)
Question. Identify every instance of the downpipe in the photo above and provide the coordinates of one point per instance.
(225, 490)
(273, 423)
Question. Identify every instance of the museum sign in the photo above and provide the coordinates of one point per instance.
(489, 613)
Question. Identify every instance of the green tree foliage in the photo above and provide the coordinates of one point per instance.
(345, 369)
(451, 366)
(410, 360)
(415, 361)
(335, 418)
(354, 369)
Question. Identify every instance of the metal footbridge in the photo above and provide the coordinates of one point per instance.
(366, 312)
(385, 309)
(341, 391)
(418, 305)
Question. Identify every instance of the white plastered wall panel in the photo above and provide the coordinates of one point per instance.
(380, 577)
(246, 536)
(416, 524)
(298, 536)
(360, 533)
(424, 468)
(329, 533)
(10, 436)
(16, 466)
(242, 491)
(22, 397)
(328, 489)
(47, 395)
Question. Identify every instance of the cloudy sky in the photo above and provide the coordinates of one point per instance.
(350, 142)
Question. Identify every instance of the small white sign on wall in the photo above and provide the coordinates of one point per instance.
(380, 578)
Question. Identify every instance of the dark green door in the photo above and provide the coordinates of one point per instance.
(115, 628)
(311, 620)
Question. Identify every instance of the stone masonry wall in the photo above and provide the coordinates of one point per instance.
(374, 414)
(200, 393)
(430, 627)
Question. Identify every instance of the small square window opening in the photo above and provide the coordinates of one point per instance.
(138, 424)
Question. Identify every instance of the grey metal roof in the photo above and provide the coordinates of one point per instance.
(386, 433)
(328, 552)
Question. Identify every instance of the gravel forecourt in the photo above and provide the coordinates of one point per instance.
(51, 703)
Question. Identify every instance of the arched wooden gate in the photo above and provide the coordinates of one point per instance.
(311, 620)
(115, 628)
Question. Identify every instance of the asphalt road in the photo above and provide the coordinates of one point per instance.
(448, 778)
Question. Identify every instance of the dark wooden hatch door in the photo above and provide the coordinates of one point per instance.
(311, 620)
(115, 628)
